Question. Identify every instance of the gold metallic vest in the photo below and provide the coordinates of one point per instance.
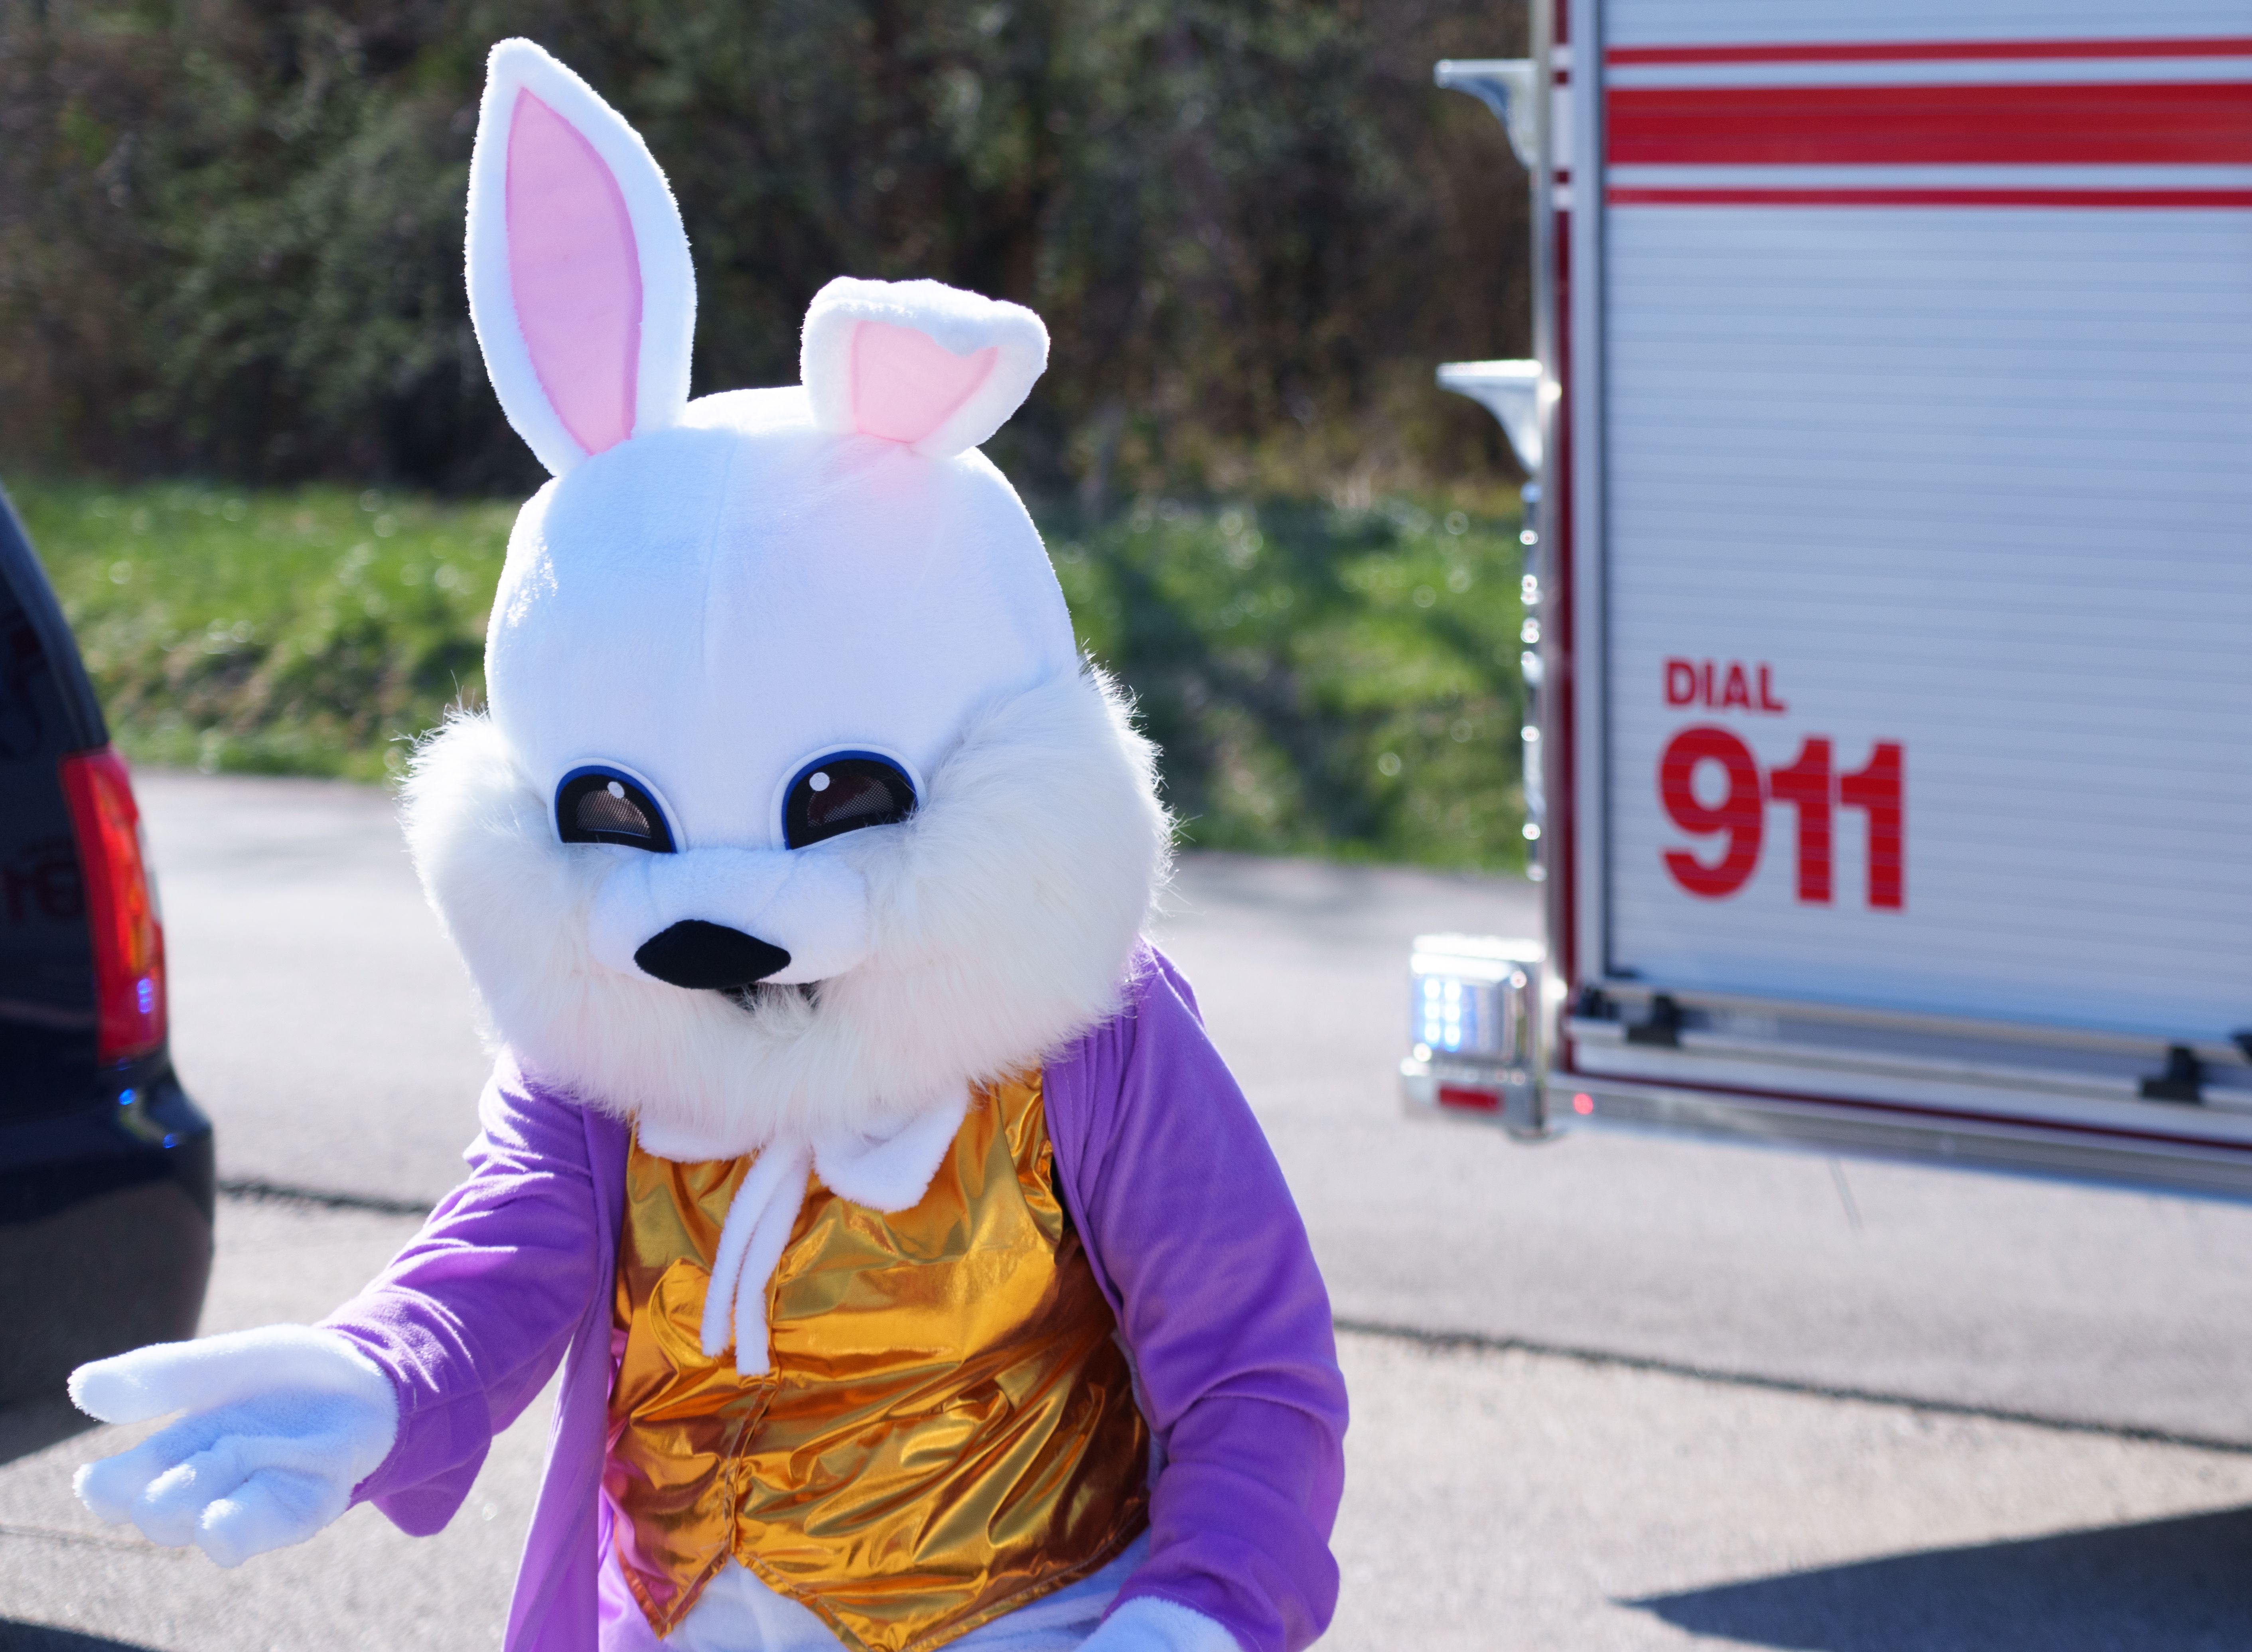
(948, 1430)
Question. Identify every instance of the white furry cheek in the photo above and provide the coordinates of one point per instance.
(622, 917)
(812, 905)
(819, 917)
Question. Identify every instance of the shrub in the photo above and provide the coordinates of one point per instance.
(1321, 680)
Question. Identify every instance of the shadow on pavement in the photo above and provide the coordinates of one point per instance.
(2184, 1585)
(34, 1426)
(37, 1637)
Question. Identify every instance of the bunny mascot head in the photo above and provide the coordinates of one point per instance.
(916, 1272)
(794, 807)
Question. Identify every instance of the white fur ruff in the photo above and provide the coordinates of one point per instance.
(1001, 922)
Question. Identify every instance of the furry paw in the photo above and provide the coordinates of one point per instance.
(283, 1423)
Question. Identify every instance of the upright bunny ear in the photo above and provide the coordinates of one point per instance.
(580, 283)
(915, 362)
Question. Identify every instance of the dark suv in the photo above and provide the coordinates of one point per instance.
(105, 1164)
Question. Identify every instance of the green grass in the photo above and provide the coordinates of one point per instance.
(302, 633)
(1322, 682)
(1325, 681)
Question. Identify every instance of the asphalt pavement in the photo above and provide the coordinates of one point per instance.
(1610, 1392)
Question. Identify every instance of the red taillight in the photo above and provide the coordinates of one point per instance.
(1470, 1100)
(121, 906)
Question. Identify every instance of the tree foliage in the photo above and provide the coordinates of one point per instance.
(230, 230)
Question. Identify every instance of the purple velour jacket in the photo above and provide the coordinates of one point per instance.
(1193, 1239)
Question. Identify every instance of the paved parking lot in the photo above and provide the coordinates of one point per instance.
(1497, 1500)
(1505, 1492)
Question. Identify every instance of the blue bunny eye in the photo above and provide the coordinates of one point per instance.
(843, 793)
(597, 805)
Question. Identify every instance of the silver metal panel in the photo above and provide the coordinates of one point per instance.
(2026, 1148)
(2064, 391)
(1966, 481)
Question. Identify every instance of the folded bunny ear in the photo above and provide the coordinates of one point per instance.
(580, 282)
(915, 362)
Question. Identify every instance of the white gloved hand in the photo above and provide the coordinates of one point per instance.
(1147, 1624)
(283, 1423)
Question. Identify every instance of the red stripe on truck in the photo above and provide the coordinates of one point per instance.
(2198, 123)
(1653, 196)
(1936, 50)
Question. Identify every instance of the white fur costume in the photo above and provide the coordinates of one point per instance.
(707, 603)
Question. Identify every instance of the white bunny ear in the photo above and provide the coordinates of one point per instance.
(580, 283)
(919, 363)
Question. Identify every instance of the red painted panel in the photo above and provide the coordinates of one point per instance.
(2191, 124)
(1648, 197)
(1559, 690)
(1936, 50)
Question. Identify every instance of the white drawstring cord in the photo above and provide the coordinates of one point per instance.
(769, 1239)
(777, 1178)
(888, 1174)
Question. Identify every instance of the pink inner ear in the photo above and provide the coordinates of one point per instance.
(575, 275)
(906, 384)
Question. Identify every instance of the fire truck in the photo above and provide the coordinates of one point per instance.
(1889, 596)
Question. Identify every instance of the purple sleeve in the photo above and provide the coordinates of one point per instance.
(471, 1319)
(1197, 1243)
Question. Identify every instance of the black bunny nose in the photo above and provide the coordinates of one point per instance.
(695, 955)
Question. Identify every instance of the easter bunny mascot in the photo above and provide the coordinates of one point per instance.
(917, 1274)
